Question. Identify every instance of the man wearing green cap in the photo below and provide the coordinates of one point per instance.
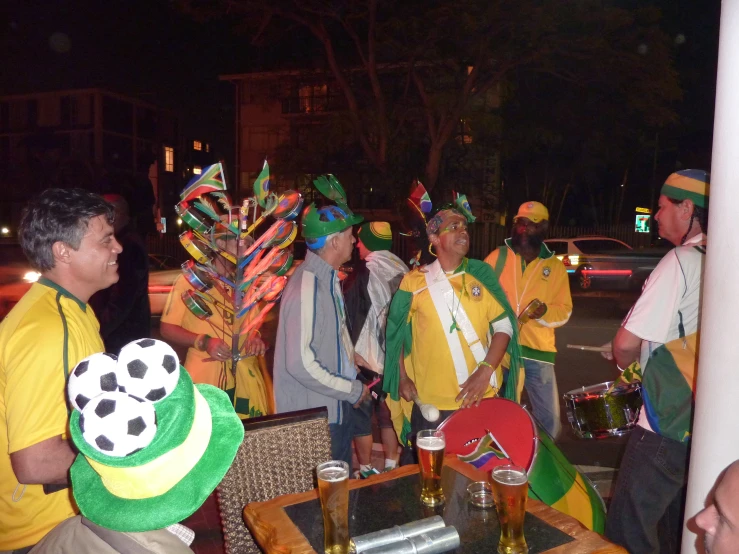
(529, 272)
(660, 332)
(314, 356)
(374, 282)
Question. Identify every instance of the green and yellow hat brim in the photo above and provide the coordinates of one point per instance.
(130, 509)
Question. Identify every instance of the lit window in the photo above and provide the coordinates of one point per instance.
(197, 145)
(207, 147)
(197, 170)
(168, 159)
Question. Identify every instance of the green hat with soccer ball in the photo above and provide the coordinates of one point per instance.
(152, 445)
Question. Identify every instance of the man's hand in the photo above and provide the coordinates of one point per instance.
(218, 349)
(539, 312)
(475, 387)
(255, 347)
(608, 355)
(365, 394)
(407, 389)
(360, 361)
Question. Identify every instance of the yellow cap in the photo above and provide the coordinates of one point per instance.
(533, 211)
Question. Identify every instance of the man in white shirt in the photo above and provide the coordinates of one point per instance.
(661, 332)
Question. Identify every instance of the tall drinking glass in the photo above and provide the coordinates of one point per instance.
(333, 489)
(510, 489)
(431, 444)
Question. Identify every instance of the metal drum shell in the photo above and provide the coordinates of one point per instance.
(595, 415)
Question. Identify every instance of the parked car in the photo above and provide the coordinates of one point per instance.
(16, 277)
(595, 261)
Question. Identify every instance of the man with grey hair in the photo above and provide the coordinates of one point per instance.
(314, 356)
(67, 235)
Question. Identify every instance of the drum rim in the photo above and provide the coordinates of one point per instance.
(626, 388)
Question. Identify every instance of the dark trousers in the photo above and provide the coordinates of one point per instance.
(419, 423)
(646, 511)
(342, 435)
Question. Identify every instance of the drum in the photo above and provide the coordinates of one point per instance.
(594, 413)
(198, 278)
(500, 430)
(288, 205)
(192, 219)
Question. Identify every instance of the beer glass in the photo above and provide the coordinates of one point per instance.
(510, 488)
(430, 445)
(333, 489)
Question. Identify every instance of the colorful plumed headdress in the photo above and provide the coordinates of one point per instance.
(422, 219)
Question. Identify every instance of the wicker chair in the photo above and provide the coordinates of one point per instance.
(278, 456)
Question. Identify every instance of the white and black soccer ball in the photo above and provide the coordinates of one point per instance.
(148, 369)
(118, 424)
(94, 375)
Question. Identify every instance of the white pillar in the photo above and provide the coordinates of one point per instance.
(716, 423)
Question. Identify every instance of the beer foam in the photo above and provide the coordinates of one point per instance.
(509, 477)
(431, 443)
(333, 474)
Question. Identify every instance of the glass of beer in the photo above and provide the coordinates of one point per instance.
(510, 490)
(333, 490)
(430, 444)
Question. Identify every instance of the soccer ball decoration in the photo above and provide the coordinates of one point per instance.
(148, 369)
(118, 424)
(94, 375)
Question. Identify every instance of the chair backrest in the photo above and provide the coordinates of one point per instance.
(278, 456)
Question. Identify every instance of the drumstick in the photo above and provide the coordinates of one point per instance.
(589, 348)
(428, 411)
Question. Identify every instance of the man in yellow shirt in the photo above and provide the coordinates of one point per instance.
(67, 235)
(528, 270)
(448, 329)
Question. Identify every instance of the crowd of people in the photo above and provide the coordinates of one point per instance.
(449, 333)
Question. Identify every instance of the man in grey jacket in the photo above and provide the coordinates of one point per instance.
(314, 356)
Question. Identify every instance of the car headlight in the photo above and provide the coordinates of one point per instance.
(32, 276)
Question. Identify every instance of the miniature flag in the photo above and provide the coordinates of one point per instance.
(486, 448)
(210, 180)
(261, 185)
(460, 200)
(420, 198)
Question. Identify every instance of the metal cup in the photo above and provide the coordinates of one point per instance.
(333, 490)
(510, 486)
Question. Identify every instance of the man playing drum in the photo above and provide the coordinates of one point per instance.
(448, 328)
(661, 332)
(529, 271)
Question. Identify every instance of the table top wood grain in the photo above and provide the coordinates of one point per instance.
(276, 533)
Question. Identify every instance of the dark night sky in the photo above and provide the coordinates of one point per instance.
(147, 48)
(140, 47)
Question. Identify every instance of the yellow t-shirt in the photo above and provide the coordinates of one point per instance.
(251, 393)
(41, 340)
(430, 364)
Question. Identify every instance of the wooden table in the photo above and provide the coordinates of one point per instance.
(276, 533)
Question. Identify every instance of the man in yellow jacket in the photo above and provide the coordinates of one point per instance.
(528, 271)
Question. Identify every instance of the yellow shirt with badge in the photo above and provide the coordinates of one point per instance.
(430, 365)
(41, 340)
